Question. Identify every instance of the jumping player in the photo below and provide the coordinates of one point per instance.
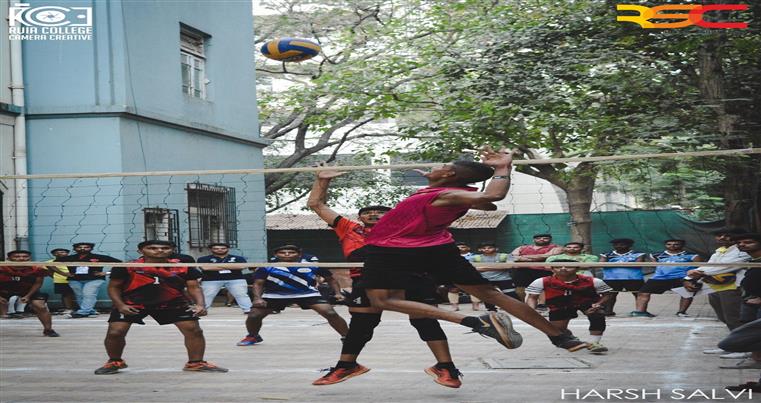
(137, 292)
(413, 238)
(365, 318)
(567, 292)
(25, 282)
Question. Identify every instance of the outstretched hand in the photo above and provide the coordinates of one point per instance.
(329, 173)
(501, 158)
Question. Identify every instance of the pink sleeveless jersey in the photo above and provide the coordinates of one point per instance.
(415, 223)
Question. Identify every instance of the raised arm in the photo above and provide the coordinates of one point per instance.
(319, 195)
(497, 188)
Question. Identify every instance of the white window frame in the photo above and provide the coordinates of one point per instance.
(193, 55)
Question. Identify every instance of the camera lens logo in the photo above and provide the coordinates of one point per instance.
(49, 16)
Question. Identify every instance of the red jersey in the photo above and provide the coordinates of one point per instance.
(415, 223)
(156, 287)
(352, 235)
(528, 250)
(18, 280)
(576, 294)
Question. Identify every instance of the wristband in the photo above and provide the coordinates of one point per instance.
(500, 177)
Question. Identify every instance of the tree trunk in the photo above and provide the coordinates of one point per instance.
(580, 190)
(741, 185)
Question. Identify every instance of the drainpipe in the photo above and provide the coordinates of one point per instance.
(19, 147)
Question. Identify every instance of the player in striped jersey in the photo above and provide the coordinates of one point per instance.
(276, 287)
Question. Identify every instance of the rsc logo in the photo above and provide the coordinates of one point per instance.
(49, 16)
(694, 15)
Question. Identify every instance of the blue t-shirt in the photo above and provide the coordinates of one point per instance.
(291, 282)
(622, 273)
(221, 275)
(672, 272)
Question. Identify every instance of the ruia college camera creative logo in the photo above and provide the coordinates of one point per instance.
(49, 23)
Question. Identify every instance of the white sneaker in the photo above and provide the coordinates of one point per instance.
(714, 351)
(735, 356)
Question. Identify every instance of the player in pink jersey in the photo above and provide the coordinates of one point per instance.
(413, 238)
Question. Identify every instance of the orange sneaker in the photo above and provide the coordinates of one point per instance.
(336, 375)
(111, 367)
(203, 366)
(445, 377)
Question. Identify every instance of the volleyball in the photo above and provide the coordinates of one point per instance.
(290, 49)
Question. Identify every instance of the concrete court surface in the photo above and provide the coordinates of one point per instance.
(655, 355)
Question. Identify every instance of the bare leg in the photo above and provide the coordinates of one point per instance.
(254, 320)
(116, 339)
(643, 298)
(684, 304)
(390, 300)
(39, 308)
(334, 319)
(195, 343)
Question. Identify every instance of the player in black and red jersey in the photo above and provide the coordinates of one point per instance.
(365, 318)
(25, 282)
(137, 292)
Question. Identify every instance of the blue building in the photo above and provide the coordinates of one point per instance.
(157, 86)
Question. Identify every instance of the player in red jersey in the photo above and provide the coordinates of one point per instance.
(364, 318)
(137, 292)
(25, 282)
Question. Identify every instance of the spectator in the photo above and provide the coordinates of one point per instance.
(86, 281)
(214, 278)
(500, 278)
(61, 282)
(574, 251)
(667, 277)
(622, 278)
(538, 252)
(726, 296)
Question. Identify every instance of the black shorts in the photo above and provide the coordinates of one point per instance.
(163, 316)
(524, 277)
(398, 268)
(423, 290)
(62, 289)
(661, 286)
(278, 304)
(36, 296)
(625, 285)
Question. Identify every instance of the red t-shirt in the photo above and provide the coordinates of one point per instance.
(352, 235)
(415, 223)
(155, 287)
(528, 250)
(18, 280)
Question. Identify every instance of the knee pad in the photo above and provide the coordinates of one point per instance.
(428, 329)
(360, 332)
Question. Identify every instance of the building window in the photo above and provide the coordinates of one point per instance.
(211, 215)
(162, 224)
(193, 62)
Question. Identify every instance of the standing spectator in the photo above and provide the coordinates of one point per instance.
(574, 251)
(726, 298)
(538, 252)
(622, 278)
(61, 282)
(86, 280)
(500, 278)
(214, 278)
(750, 310)
(453, 293)
(25, 283)
(667, 277)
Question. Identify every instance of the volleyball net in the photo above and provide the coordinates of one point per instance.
(117, 210)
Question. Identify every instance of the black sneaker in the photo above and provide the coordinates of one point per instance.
(498, 326)
(50, 333)
(568, 341)
(111, 367)
(78, 315)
